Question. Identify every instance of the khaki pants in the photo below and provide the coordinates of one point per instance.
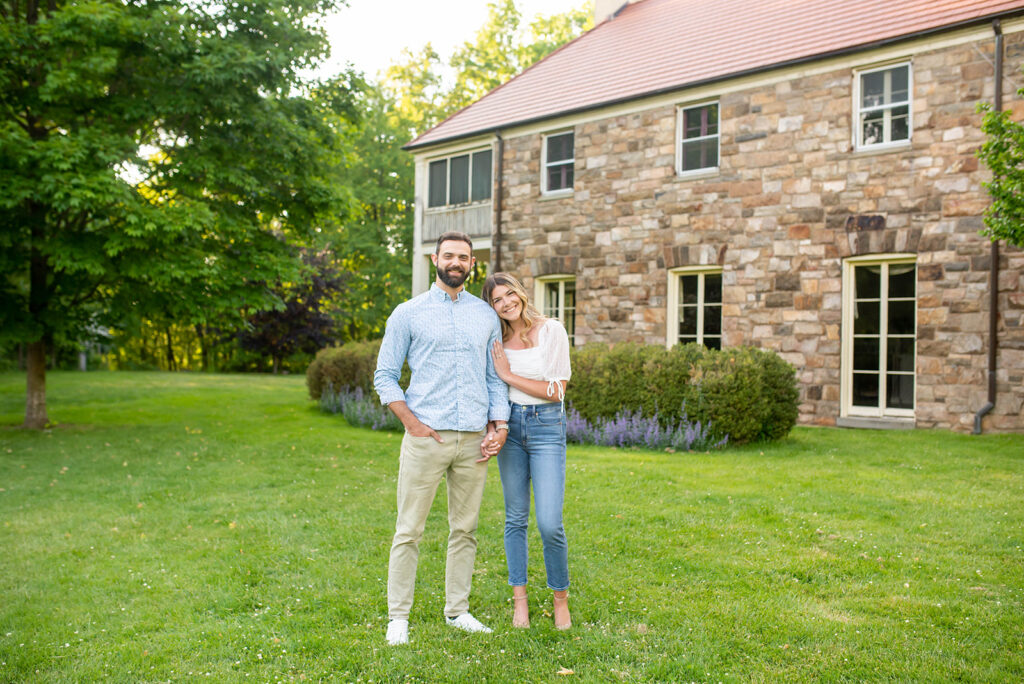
(423, 462)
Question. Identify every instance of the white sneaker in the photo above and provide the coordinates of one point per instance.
(398, 632)
(468, 623)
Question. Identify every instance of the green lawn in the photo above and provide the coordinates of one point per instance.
(185, 527)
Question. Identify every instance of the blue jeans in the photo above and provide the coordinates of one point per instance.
(535, 451)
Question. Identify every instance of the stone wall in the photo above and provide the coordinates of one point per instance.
(791, 201)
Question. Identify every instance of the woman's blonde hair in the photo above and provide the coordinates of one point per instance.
(530, 316)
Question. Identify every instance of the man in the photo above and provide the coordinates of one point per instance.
(454, 398)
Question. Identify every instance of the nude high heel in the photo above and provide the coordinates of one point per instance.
(561, 606)
(518, 623)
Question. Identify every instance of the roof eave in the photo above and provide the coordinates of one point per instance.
(413, 145)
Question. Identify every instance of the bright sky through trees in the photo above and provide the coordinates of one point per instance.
(372, 33)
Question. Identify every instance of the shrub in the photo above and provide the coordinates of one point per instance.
(747, 394)
(350, 366)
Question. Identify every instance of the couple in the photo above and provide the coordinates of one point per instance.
(458, 412)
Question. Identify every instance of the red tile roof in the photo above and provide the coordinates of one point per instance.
(655, 46)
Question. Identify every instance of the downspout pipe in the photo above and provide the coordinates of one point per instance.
(993, 306)
(498, 197)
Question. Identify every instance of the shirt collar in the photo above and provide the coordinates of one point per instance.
(442, 296)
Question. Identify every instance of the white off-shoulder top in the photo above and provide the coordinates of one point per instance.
(549, 361)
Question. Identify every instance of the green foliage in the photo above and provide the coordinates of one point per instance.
(502, 48)
(373, 248)
(349, 366)
(159, 159)
(748, 394)
(1003, 153)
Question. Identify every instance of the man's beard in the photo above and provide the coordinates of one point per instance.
(452, 279)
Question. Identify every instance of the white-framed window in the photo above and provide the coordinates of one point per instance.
(879, 335)
(695, 306)
(459, 179)
(882, 102)
(556, 298)
(697, 140)
(558, 161)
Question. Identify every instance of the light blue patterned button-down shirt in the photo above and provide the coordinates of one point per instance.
(448, 345)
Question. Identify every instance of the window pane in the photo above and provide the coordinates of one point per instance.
(459, 179)
(700, 121)
(551, 299)
(560, 177)
(570, 295)
(865, 320)
(713, 342)
(865, 389)
(693, 123)
(688, 321)
(874, 127)
(902, 280)
(899, 391)
(688, 289)
(900, 354)
(700, 154)
(713, 288)
(560, 147)
(568, 174)
(868, 280)
(712, 320)
(709, 152)
(712, 111)
(692, 153)
(901, 318)
(437, 194)
(900, 78)
(482, 176)
(900, 124)
(873, 89)
(865, 354)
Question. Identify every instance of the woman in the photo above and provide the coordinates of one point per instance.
(534, 361)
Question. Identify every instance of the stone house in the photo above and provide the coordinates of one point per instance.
(797, 176)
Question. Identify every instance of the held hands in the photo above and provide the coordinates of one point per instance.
(501, 365)
(493, 441)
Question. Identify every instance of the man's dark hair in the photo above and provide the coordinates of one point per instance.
(452, 235)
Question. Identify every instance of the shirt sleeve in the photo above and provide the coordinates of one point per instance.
(554, 344)
(497, 390)
(393, 350)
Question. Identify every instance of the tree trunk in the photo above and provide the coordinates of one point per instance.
(277, 365)
(170, 350)
(204, 361)
(35, 387)
(38, 299)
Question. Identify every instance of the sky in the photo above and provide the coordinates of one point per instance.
(372, 33)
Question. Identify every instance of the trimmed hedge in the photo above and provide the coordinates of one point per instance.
(347, 367)
(748, 394)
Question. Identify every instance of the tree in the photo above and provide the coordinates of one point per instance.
(502, 48)
(157, 156)
(1003, 153)
(375, 245)
(303, 324)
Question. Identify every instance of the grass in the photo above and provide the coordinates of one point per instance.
(185, 527)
